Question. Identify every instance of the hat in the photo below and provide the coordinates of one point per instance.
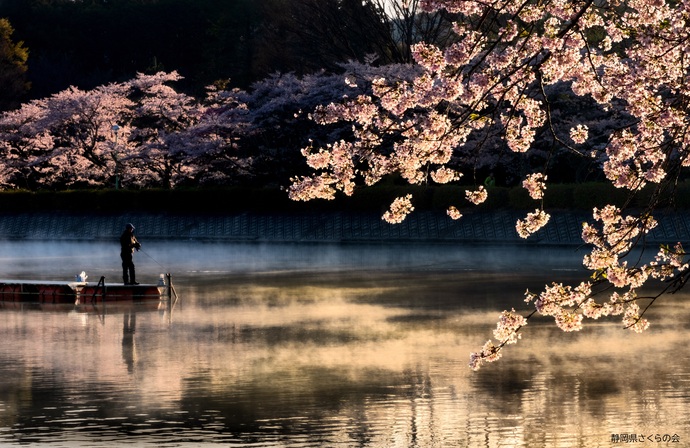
(129, 226)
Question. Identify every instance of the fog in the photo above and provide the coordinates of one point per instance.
(57, 260)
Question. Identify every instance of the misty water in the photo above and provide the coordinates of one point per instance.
(291, 345)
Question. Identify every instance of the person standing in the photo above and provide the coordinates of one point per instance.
(128, 243)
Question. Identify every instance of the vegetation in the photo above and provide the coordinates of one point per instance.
(13, 68)
(90, 43)
(239, 199)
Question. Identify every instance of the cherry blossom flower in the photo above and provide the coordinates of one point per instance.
(568, 321)
(507, 329)
(478, 196)
(535, 184)
(399, 210)
(579, 133)
(445, 175)
(532, 223)
(307, 188)
(453, 212)
(632, 319)
(668, 261)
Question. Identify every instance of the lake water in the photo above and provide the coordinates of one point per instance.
(329, 346)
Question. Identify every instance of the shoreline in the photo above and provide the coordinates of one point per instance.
(321, 227)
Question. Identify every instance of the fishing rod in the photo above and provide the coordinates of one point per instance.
(172, 292)
(154, 260)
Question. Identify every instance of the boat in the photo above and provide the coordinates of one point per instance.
(79, 292)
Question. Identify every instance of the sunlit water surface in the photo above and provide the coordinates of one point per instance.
(329, 346)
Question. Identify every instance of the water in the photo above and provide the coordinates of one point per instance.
(328, 346)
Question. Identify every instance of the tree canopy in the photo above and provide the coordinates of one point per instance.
(13, 57)
(90, 43)
(145, 133)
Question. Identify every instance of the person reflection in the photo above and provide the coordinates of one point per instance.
(128, 347)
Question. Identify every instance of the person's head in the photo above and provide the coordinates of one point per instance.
(129, 228)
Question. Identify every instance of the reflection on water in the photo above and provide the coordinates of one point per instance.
(355, 352)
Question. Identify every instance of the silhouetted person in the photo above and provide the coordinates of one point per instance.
(128, 242)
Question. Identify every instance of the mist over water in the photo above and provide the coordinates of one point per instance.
(309, 345)
(64, 259)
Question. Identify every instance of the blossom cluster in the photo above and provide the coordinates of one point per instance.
(611, 240)
(532, 223)
(535, 184)
(611, 237)
(453, 212)
(477, 196)
(507, 332)
(670, 261)
(579, 133)
(399, 209)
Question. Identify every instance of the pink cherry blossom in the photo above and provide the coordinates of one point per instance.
(399, 209)
(453, 212)
(477, 196)
(509, 324)
(532, 223)
(579, 133)
(535, 184)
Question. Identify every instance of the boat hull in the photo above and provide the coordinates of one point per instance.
(57, 292)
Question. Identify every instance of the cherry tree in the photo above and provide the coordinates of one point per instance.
(160, 115)
(178, 139)
(22, 140)
(64, 139)
(628, 57)
(213, 144)
(279, 113)
(141, 132)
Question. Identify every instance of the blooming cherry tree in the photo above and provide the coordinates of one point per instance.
(160, 115)
(65, 138)
(628, 57)
(141, 132)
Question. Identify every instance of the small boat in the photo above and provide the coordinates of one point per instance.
(82, 292)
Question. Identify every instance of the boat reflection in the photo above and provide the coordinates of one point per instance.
(100, 309)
